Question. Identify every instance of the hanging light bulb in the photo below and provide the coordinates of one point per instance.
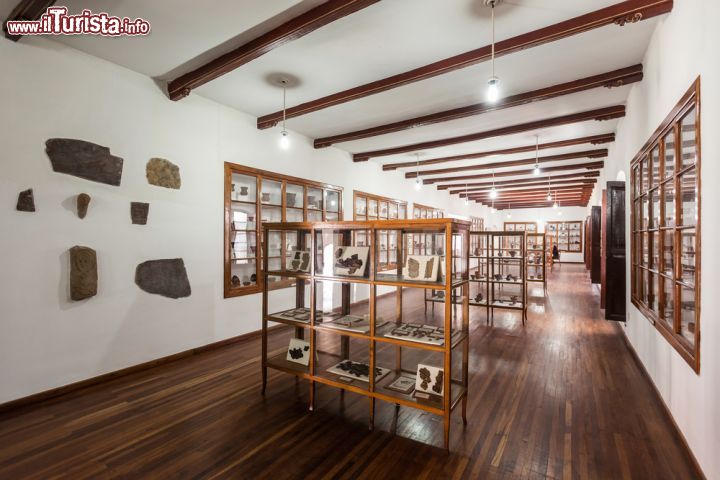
(418, 182)
(467, 199)
(493, 192)
(555, 205)
(536, 171)
(549, 197)
(493, 90)
(284, 137)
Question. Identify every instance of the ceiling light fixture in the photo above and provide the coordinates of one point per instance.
(467, 199)
(284, 138)
(493, 91)
(493, 192)
(549, 196)
(555, 205)
(536, 171)
(418, 182)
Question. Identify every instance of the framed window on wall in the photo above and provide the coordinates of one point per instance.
(253, 197)
(665, 222)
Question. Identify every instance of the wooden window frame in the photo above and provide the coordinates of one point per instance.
(642, 228)
(263, 175)
(565, 246)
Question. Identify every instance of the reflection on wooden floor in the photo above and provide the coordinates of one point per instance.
(560, 398)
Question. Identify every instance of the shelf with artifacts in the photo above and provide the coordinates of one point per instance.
(341, 334)
(498, 268)
(536, 252)
(253, 197)
(568, 236)
(530, 227)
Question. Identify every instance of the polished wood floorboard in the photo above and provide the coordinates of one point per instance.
(559, 398)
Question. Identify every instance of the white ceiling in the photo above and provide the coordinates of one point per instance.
(389, 37)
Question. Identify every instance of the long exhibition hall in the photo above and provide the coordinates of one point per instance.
(359, 239)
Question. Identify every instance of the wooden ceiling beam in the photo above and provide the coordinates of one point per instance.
(616, 78)
(532, 185)
(515, 173)
(598, 114)
(505, 192)
(538, 205)
(592, 139)
(26, 10)
(521, 181)
(622, 13)
(538, 195)
(597, 153)
(298, 27)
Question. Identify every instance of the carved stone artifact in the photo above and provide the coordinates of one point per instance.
(166, 277)
(163, 173)
(83, 202)
(139, 212)
(85, 160)
(83, 273)
(26, 201)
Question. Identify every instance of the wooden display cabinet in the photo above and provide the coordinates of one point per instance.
(356, 342)
(567, 236)
(499, 271)
(530, 227)
(253, 197)
(536, 259)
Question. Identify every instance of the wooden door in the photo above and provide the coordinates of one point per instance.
(603, 250)
(615, 305)
(594, 242)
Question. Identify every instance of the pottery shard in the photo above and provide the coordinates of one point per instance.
(163, 277)
(139, 212)
(26, 201)
(163, 173)
(83, 201)
(85, 160)
(83, 273)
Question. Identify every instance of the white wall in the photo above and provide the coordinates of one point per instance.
(541, 216)
(49, 90)
(684, 45)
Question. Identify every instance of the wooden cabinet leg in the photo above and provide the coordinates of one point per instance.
(312, 396)
(264, 379)
(371, 426)
(446, 433)
(464, 410)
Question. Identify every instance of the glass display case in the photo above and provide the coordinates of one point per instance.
(530, 227)
(355, 325)
(568, 236)
(665, 222)
(254, 197)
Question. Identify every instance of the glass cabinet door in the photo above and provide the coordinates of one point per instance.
(314, 204)
(332, 205)
(294, 202)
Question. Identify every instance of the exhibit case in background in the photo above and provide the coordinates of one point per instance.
(354, 322)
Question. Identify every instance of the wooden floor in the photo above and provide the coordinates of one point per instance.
(560, 398)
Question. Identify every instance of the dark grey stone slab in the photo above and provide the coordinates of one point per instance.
(83, 273)
(26, 201)
(163, 173)
(166, 277)
(83, 202)
(85, 160)
(139, 212)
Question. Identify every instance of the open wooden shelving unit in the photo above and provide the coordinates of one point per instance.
(327, 296)
(536, 252)
(489, 258)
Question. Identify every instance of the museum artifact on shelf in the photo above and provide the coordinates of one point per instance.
(337, 307)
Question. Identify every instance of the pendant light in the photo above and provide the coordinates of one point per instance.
(549, 196)
(467, 199)
(536, 171)
(493, 210)
(284, 138)
(555, 205)
(418, 182)
(493, 90)
(493, 192)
